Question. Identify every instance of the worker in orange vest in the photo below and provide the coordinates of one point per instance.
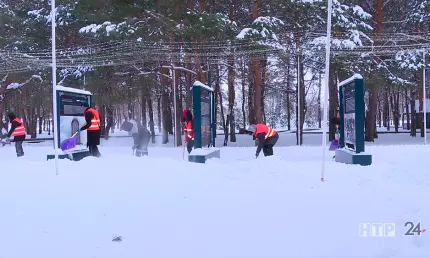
(266, 138)
(92, 119)
(188, 118)
(17, 130)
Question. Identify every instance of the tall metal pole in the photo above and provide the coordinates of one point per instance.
(174, 105)
(54, 85)
(326, 79)
(298, 101)
(424, 99)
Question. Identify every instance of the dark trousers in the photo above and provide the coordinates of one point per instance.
(268, 145)
(94, 151)
(18, 148)
(190, 145)
(142, 149)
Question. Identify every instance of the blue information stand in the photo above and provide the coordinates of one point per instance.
(204, 125)
(351, 109)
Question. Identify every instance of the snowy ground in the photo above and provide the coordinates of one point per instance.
(236, 206)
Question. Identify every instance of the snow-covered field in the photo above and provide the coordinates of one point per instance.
(236, 206)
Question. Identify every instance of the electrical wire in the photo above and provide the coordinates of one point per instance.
(132, 52)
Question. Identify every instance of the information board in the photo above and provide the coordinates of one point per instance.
(205, 105)
(203, 109)
(349, 124)
(70, 114)
(70, 104)
(351, 110)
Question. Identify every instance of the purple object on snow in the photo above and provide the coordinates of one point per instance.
(69, 143)
(334, 145)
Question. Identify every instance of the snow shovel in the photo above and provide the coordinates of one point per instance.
(69, 143)
(334, 145)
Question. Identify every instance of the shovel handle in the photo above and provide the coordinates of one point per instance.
(74, 135)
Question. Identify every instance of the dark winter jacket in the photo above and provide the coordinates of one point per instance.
(14, 125)
(141, 139)
(335, 120)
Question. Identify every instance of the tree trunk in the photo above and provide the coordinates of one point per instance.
(159, 113)
(396, 110)
(421, 98)
(373, 100)
(219, 92)
(143, 98)
(41, 120)
(216, 95)
(288, 95)
(167, 118)
(102, 119)
(151, 118)
(413, 114)
(243, 92)
(387, 109)
(3, 87)
(231, 98)
(257, 89)
(256, 70)
(263, 86)
(333, 101)
(408, 112)
(109, 121)
(188, 76)
(176, 76)
(380, 113)
(251, 97)
(319, 101)
(230, 80)
(300, 109)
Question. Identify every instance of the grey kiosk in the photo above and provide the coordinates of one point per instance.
(351, 109)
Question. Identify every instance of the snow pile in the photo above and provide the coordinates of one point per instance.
(123, 206)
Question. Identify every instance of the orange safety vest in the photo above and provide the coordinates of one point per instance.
(20, 130)
(260, 128)
(95, 122)
(188, 130)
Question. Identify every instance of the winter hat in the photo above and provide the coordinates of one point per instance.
(11, 116)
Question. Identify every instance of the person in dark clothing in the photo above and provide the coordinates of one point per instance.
(336, 121)
(92, 119)
(17, 130)
(265, 136)
(188, 118)
(141, 137)
(141, 141)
